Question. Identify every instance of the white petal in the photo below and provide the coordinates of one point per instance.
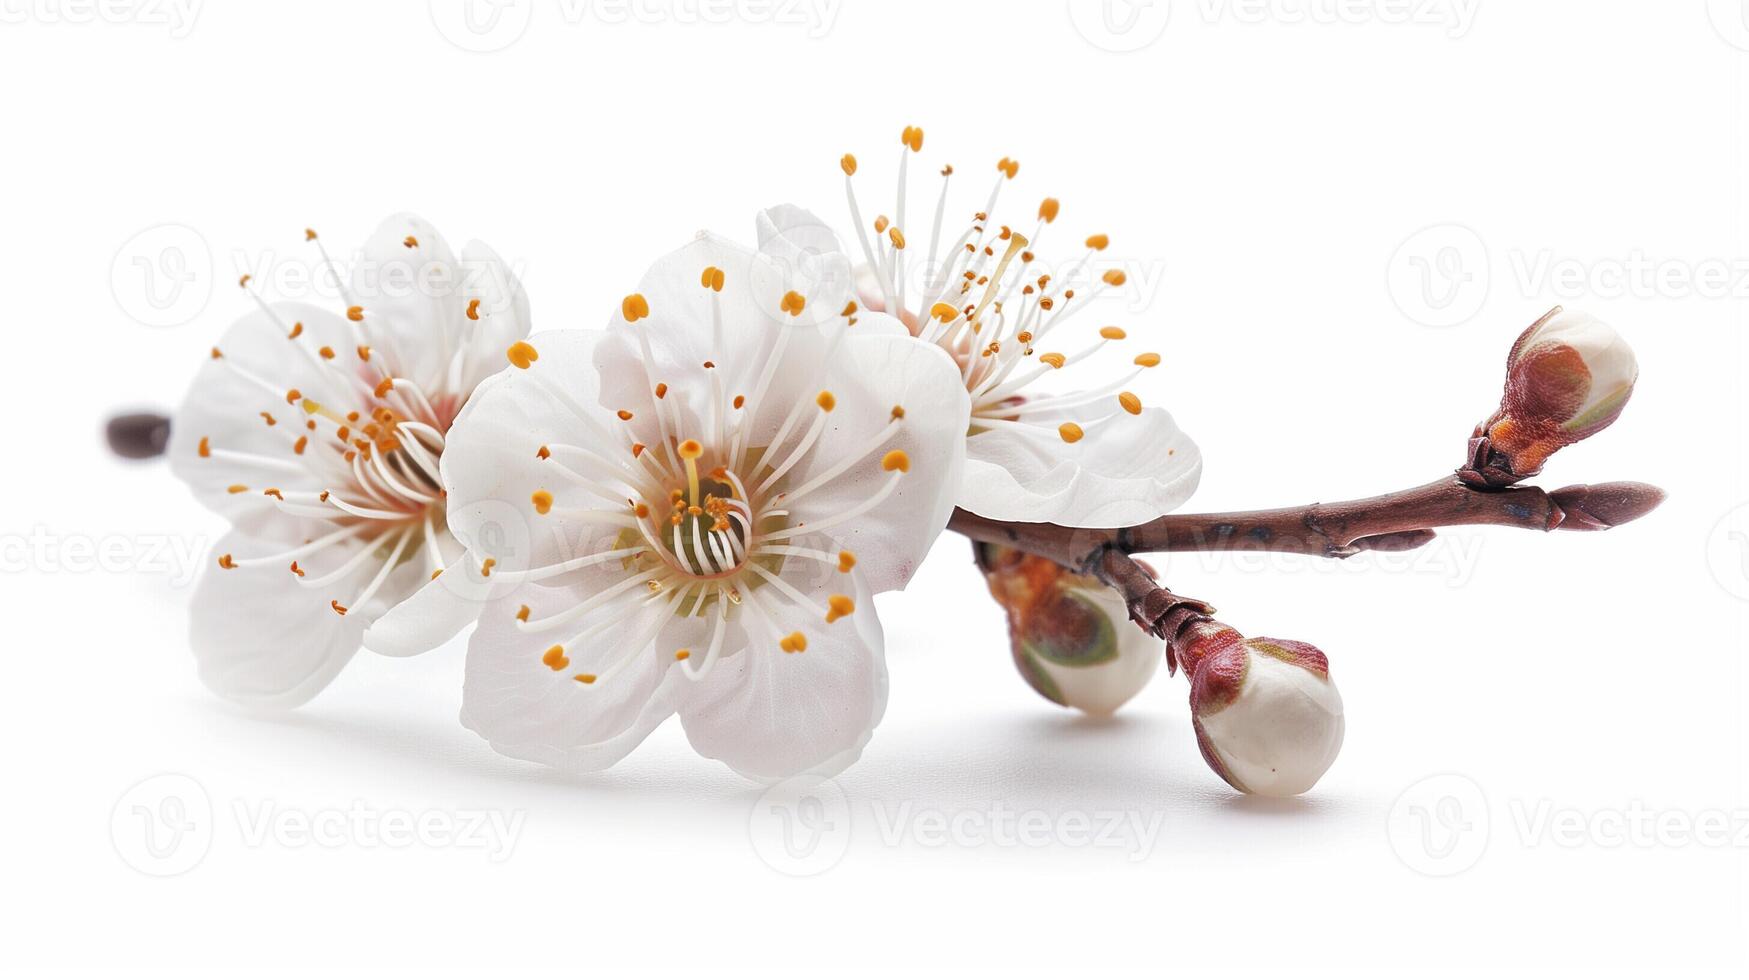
(530, 710)
(796, 238)
(869, 377)
(262, 640)
(225, 408)
(413, 298)
(770, 715)
(426, 620)
(503, 316)
(492, 467)
(1126, 469)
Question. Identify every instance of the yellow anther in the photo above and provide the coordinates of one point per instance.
(226, 562)
(897, 413)
(543, 453)
(793, 303)
(385, 386)
(1098, 242)
(624, 416)
(487, 566)
(1147, 360)
(355, 313)
(712, 279)
(216, 354)
(945, 312)
(880, 224)
(838, 607)
(473, 309)
(364, 352)
(740, 400)
(335, 605)
(896, 236)
(682, 654)
(584, 678)
(522, 354)
(302, 444)
(846, 561)
(637, 449)
(849, 309)
(1114, 277)
(410, 242)
(913, 138)
(243, 283)
(1130, 402)
(1070, 432)
(1008, 167)
(297, 331)
(1047, 209)
(522, 614)
(826, 400)
(1112, 333)
(236, 488)
(542, 500)
(848, 164)
(327, 353)
(555, 658)
(690, 449)
(634, 307)
(205, 449)
(1053, 359)
(896, 460)
(293, 396)
(309, 234)
(794, 643)
(297, 570)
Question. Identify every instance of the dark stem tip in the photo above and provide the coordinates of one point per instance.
(138, 435)
(1601, 506)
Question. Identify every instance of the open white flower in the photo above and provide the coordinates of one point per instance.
(319, 435)
(689, 514)
(1088, 457)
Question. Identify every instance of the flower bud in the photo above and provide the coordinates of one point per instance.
(1568, 377)
(1268, 718)
(1071, 635)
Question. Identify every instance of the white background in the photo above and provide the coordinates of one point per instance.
(1265, 170)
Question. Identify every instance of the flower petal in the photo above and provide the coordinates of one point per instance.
(870, 377)
(423, 621)
(1124, 470)
(259, 373)
(529, 702)
(769, 714)
(260, 639)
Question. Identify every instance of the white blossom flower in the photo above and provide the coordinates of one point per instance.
(319, 436)
(1090, 456)
(690, 512)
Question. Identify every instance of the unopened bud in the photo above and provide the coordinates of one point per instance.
(1268, 718)
(1568, 377)
(1071, 635)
